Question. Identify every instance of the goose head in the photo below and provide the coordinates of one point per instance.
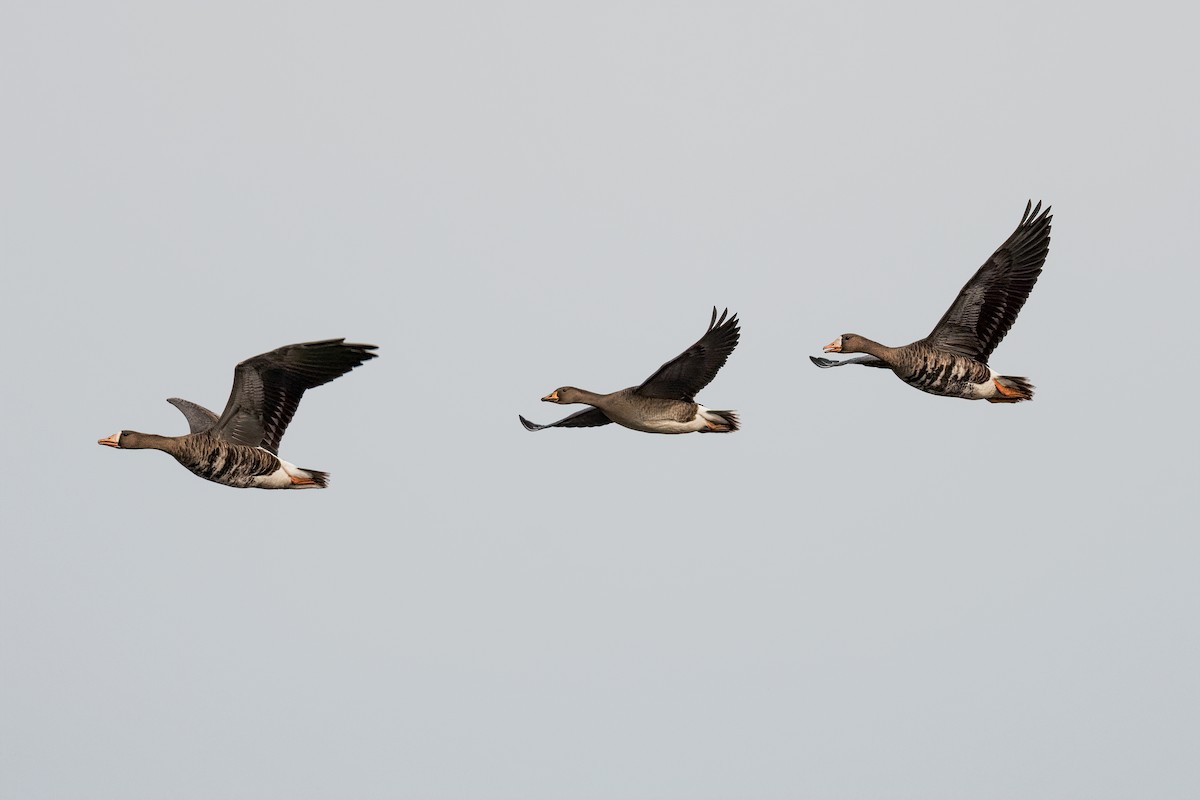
(125, 440)
(563, 394)
(846, 343)
(114, 440)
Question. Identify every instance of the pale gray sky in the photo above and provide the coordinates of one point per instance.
(867, 593)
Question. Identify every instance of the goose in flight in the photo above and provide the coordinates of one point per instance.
(952, 360)
(240, 448)
(666, 401)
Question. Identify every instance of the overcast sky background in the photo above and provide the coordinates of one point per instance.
(868, 592)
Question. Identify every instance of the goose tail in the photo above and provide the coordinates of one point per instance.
(306, 478)
(321, 479)
(1011, 389)
(720, 421)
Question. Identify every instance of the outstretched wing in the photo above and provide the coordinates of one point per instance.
(588, 418)
(684, 376)
(989, 303)
(866, 361)
(267, 388)
(199, 418)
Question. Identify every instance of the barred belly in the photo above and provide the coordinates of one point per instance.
(947, 374)
(236, 465)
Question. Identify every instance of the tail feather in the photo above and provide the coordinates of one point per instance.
(1012, 389)
(724, 421)
(321, 479)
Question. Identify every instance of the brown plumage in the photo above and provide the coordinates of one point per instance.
(666, 401)
(952, 360)
(240, 448)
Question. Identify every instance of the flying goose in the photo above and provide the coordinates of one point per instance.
(241, 447)
(953, 360)
(664, 402)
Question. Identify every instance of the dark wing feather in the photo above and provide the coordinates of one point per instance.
(199, 418)
(588, 418)
(267, 388)
(989, 303)
(866, 361)
(684, 376)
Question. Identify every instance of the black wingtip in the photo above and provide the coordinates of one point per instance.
(1035, 214)
(327, 358)
(714, 322)
(725, 321)
(363, 350)
(530, 426)
(823, 363)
